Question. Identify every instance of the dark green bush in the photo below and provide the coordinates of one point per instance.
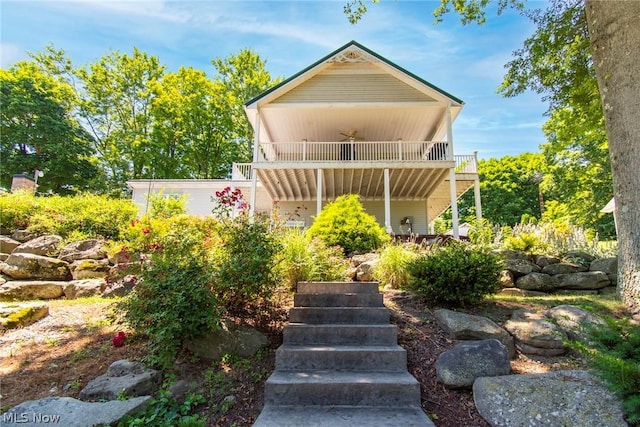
(345, 223)
(613, 351)
(457, 274)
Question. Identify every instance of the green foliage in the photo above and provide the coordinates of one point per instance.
(345, 223)
(166, 206)
(614, 352)
(525, 242)
(244, 262)
(175, 301)
(304, 258)
(88, 214)
(456, 274)
(391, 268)
(164, 411)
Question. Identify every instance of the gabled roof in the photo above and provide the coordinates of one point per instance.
(337, 52)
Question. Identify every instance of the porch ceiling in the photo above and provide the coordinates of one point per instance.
(405, 184)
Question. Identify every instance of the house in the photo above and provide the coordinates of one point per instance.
(353, 122)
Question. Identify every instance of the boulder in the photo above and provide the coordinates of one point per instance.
(364, 271)
(462, 326)
(241, 340)
(84, 288)
(25, 290)
(47, 245)
(506, 279)
(30, 266)
(583, 281)
(7, 244)
(521, 292)
(537, 337)
(3, 257)
(83, 249)
(23, 314)
(560, 398)
(574, 320)
(23, 235)
(520, 267)
(510, 254)
(69, 412)
(536, 282)
(356, 260)
(579, 257)
(89, 269)
(609, 266)
(564, 268)
(459, 367)
(544, 260)
(122, 377)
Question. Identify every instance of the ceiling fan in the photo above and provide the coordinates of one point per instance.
(351, 136)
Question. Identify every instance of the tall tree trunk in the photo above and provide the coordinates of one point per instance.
(614, 31)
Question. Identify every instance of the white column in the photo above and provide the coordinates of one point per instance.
(319, 192)
(476, 193)
(387, 203)
(254, 173)
(452, 178)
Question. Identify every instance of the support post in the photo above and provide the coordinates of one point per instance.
(319, 192)
(454, 204)
(387, 203)
(254, 173)
(476, 193)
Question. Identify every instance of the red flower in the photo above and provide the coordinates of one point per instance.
(118, 340)
(146, 231)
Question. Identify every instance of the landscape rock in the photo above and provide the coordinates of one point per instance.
(506, 279)
(560, 398)
(537, 337)
(84, 288)
(122, 377)
(463, 326)
(7, 244)
(23, 235)
(47, 245)
(609, 266)
(29, 266)
(580, 257)
(21, 314)
(83, 249)
(574, 320)
(3, 257)
(25, 290)
(459, 367)
(586, 280)
(564, 268)
(356, 260)
(521, 292)
(544, 260)
(69, 412)
(536, 282)
(520, 267)
(89, 269)
(510, 254)
(241, 340)
(364, 271)
(179, 390)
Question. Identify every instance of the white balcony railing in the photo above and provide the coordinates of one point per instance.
(358, 151)
(241, 171)
(466, 163)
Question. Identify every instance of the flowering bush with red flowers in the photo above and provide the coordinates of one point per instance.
(229, 203)
(119, 339)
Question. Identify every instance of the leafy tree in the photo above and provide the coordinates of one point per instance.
(243, 77)
(39, 131)
(613, 38)
(116, 106)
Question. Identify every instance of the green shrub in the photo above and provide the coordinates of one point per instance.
(174, 302)
(456, 274)
(345, 223)
(245, 274)
(614, 352)
(164, 411)
(166, 206)
(91, 215)
(304, 258)
(391, 268)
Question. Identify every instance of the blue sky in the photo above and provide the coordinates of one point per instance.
(466, 61)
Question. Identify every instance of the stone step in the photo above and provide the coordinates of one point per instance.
(388, 358)
(328, 334)
(341, 315)
(342, 416)
(338, 287)
(333, 388)
(338, 300)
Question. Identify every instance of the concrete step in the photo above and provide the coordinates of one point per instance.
(338, 287)
(388, 358)
(342, 416)
(338, 300)
(302, 333)
(333, 388)
(341, 315)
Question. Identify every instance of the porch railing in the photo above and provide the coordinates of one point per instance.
(358, 151)
(241, 171)
(467, 163)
